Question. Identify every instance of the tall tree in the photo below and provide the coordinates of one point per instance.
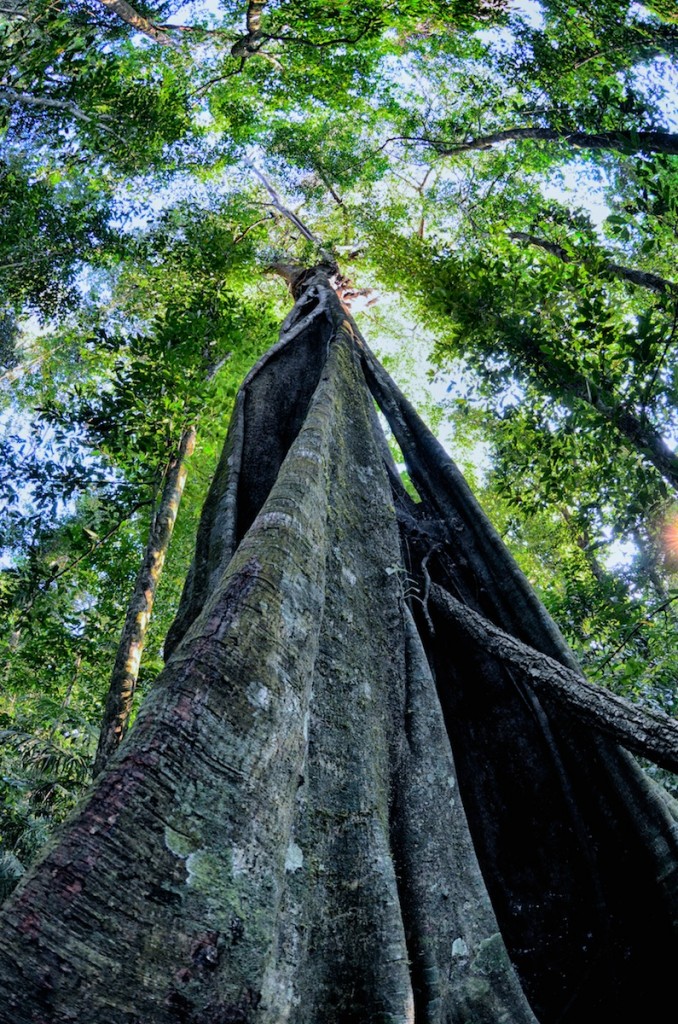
(286, 810)
(129, 194)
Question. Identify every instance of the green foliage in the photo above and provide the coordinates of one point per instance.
(48, 226)
(67, 84)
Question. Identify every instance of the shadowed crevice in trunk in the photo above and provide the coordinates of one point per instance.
(276, 402)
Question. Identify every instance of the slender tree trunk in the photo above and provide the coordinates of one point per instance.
(286, 836)
(128, 658)
(643, 278)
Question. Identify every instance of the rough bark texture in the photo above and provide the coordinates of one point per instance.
(652, 734)
(125, 672)
(251, 41)
(284, 836)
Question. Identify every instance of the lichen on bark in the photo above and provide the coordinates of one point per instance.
(288, 834)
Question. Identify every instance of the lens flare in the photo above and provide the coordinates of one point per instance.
(670, 537)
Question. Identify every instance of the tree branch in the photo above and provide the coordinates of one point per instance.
(625, 141)
(281, 208)
(320, 44)
(138, 22)
(652, 734)
(8, 96)
(219, 78)
(643, 278)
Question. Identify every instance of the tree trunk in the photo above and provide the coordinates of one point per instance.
(285, 835)
(128, 657)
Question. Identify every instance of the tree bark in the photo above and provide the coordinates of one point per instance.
(650, 734)
(251, 41)
(125, 672)
(286, 836)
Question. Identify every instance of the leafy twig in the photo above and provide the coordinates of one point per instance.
(636, 628)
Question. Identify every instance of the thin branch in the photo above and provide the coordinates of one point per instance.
(214, 370)
(643, 278)
(411, 184)
(625, 141)
(636, 629)
(220, 78)
(339, 41)
(420, 140)
(254, 224)
(327, 182)
(252, 41)
(593, 56)
(278, 204)
(8, 96)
